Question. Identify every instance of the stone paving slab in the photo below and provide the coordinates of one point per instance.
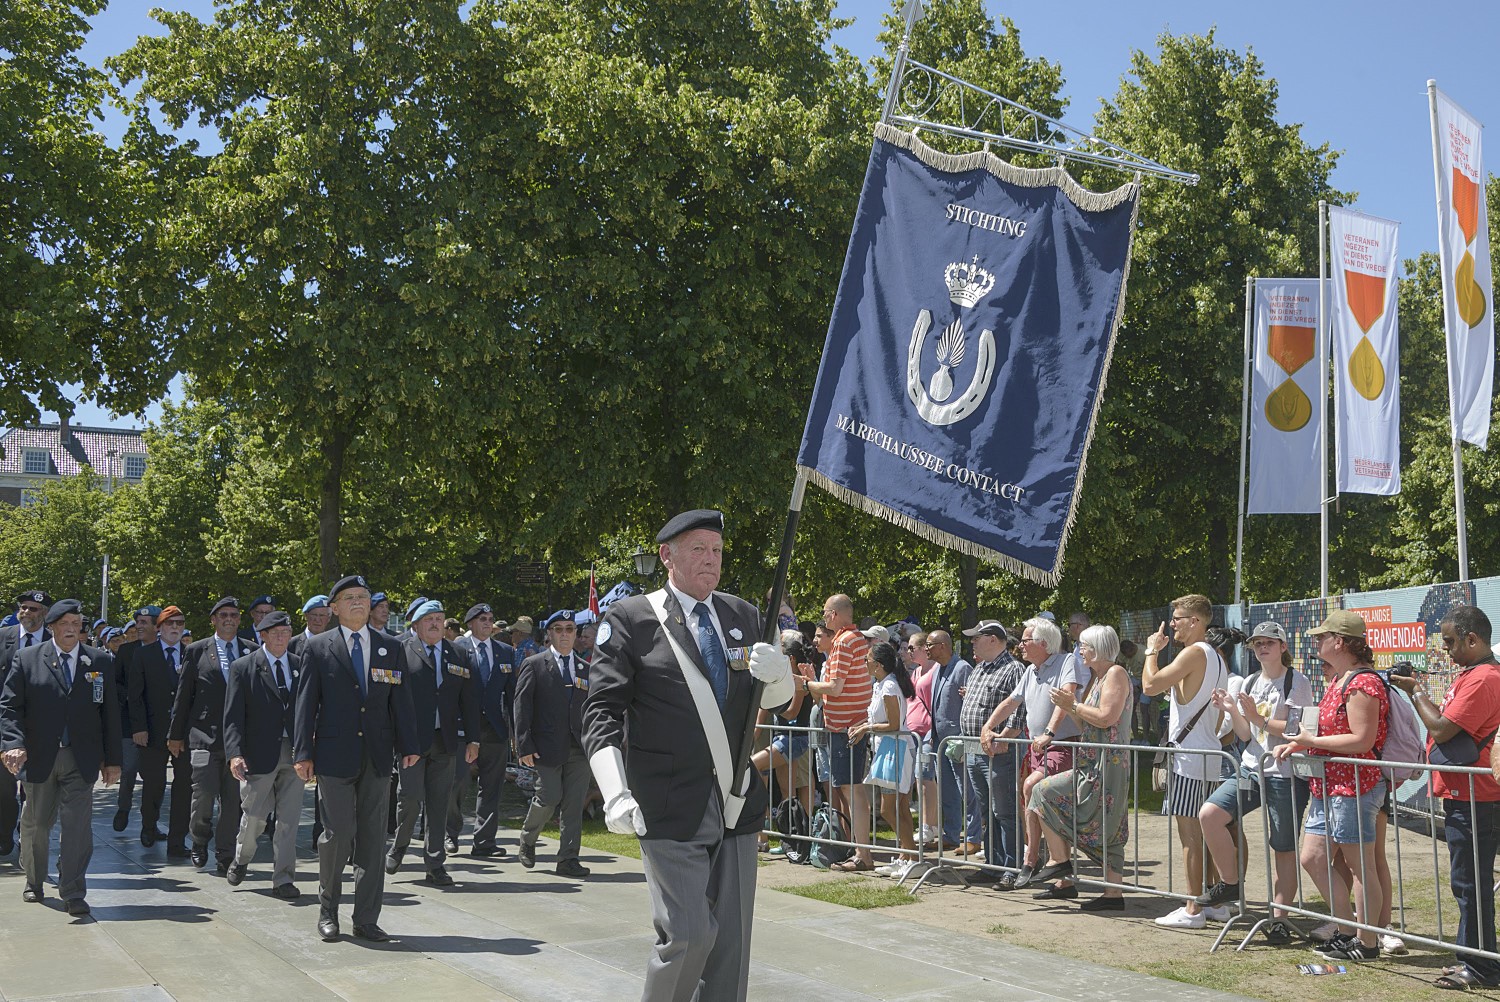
(165, 931)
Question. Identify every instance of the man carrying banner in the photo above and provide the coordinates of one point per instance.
(671, 784)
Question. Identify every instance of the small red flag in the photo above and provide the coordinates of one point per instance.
(593, 594)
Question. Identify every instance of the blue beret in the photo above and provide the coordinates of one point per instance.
(98, 623)
(316, 602)
(428, 606)
(148, 610)
(343, 584)
(413, 606)
(9, 620)
(477, 610)
(274, 620)
(39, 597)
(377, 598)
(227, 602)
(560, 616)
(698, 518)
(68, 606)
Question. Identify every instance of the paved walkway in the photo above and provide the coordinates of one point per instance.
(165, 931)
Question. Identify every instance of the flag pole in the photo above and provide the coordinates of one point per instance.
(1323, 335)
(1239, 539)
(1454, 421)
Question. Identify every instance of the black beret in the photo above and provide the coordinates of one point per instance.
(262, 600)
(343, 584)
(698, 518)
(227, 602)
(68, 606)
(478, 610)
(39, 597)
(560, 616)
(274, 620)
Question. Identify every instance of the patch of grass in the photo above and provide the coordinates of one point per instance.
(1001, 929)
(596, 836)
(859, 892)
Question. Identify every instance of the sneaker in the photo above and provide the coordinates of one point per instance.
(1279, 932)
(901, 868)
(1339, 942)
(1392, 944)
(1219, 914)
(1180, 919)
(888, 869)
(1220, 894)
(1324, 933)
(1352, 949)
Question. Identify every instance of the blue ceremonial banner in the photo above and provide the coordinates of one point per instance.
(968, 349)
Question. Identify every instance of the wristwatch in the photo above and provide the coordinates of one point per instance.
(1049, 732)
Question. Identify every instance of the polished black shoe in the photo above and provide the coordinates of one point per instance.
(77, 906)
(236, 874)
(200, 856)
(450, 844)
(32, 895)
(571, 868)
(439, 878)
(151, 836)
(221, 869)
(1056, 894)
(328, 929)
(488, 852)
(1024, 877)
(1103, 904)
(180, 852)
(372, 932)
(286, 892)
(1053, 870)
(122, 818)
(392, 863)
(528, 855)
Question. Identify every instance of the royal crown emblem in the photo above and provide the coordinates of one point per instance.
(968, 283)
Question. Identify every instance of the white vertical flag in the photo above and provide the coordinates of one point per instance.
(1468, 294)
(1288, 398)
(1366, 352)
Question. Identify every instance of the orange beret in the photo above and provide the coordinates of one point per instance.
(167, 613)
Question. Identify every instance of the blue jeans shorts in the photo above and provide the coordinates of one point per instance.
(847, 763)
(797, 740)
(1352, 818)
(1240, 795)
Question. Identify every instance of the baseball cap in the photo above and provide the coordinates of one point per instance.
(988, 627)
(1343, 622)
(1270, 628)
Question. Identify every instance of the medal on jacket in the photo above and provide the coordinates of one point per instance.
(98, 679)
(739, 658)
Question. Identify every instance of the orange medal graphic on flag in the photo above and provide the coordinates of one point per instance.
(1470, 293)
(1290, 347)
(1367, 303)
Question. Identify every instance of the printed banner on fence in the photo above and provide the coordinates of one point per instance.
(1468, 287)
(968, 349)
(1366, 352)
(1288, 399)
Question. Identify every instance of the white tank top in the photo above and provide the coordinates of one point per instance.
(1204, 735)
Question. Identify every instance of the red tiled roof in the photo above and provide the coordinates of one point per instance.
(87, 447)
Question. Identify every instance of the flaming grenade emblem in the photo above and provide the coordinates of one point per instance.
(967, 285)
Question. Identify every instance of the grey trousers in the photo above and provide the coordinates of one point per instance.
(493, 756)
(428, 785)
(567, 786)
(280, 791)
(354, 813)
(67, 793)
(702, 904)
(213, 781)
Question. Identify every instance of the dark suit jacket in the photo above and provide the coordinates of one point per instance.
(497, 694)
(198, 711)
(455, 699)
(636, 687)
(549, 714)
(336, 727)
(10, 639)
(297, 644)
(152, 688)
(35, 704)
(255, 718)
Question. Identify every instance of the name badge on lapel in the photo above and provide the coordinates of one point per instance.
(97, 678)
(458, 670)
(739, 658)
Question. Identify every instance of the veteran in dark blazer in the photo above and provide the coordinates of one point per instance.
(495, 678)
(59, 730)
(153, 677)
(258, 725)
(316, 614)
(445, 702)
(130, 753)
(353, 720)
(673, 671)
(29, 631)
(198, 726)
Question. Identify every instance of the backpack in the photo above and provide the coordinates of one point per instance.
(1405, 737)
(828, 823)
(790, 818)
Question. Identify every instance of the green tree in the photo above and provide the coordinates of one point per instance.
(54, 543)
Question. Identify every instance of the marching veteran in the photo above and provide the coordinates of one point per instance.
(59, 729)
(664, 672)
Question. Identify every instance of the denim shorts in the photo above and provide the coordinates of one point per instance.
(796, 739)
(847, 764)
(1353, 818)
(1240, 795)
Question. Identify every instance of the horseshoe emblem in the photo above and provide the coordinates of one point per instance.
(947, 411)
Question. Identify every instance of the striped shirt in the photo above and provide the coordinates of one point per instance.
(847, 661)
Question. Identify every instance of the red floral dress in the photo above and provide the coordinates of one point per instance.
(1333, 718)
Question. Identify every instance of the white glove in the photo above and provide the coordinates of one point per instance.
(622, 815)
(772, 667)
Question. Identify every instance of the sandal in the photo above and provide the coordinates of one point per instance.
(1461, 980)
(852, 866)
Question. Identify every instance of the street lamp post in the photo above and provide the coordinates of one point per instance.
(109, 469)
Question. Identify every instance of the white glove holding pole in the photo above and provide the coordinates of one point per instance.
(773, 668)
(622, 815)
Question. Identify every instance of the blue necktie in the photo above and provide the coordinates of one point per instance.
(484, 663)
(67, 675)
(713, 653)
(172, 663)
(357, 655)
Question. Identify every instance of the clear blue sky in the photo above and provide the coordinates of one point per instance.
(1353, 73)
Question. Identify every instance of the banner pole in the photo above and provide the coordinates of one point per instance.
(1323, 335)
(1454, 420)
(770, 632)
(898, 65)
(1239, 540)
